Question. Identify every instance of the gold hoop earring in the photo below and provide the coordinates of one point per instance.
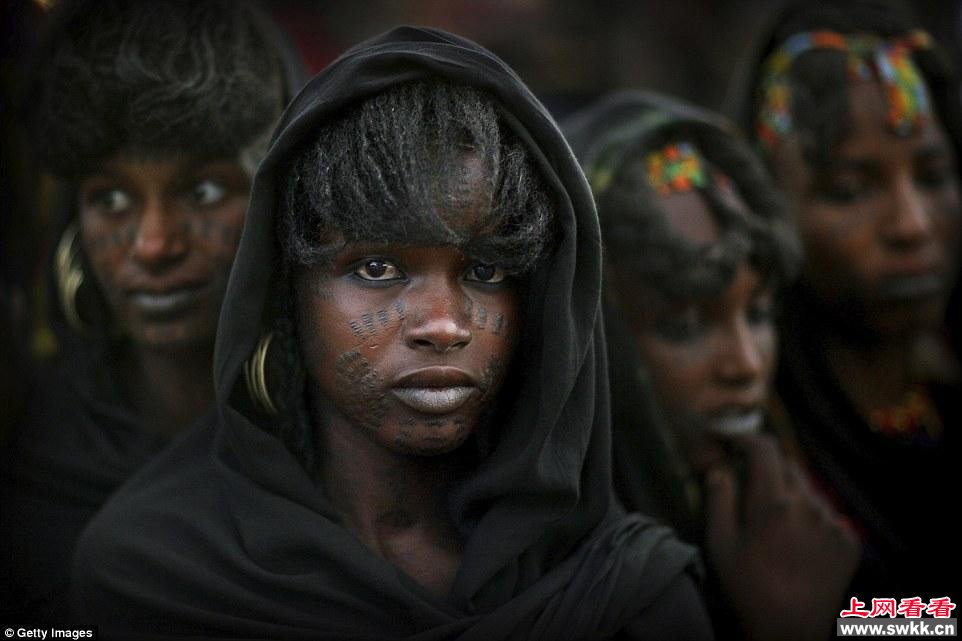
(255, 376)
(69, 275)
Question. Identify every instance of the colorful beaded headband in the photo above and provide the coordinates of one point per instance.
(677, 167)
(890, 60)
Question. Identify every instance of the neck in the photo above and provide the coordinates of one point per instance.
(171, 388)
(391, 501)
(873, 376)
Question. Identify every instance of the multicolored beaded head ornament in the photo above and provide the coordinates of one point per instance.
(677, 167)
(887, 60)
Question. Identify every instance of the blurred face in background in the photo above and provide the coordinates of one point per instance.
(879, 220)
(710, 361)
(160, 236)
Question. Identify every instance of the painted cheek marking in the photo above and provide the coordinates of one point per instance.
(356, 328)
(98, 244)
(498, 324)
(229, 235)
(366, 401)
(368, 320)
(482, 317)
(123, 236)
(493, 373)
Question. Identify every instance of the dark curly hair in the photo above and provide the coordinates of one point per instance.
(639, 239)
(391, 169)
(156, 78)
(819, 79)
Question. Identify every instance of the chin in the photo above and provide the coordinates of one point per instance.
(903, 322)
(435, 443)
(172, 336)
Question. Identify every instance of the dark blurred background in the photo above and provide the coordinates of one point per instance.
(568, 51)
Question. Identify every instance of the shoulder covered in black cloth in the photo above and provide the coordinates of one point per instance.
(227, 534)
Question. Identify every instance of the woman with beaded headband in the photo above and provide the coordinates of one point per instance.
(153, 115)
(434, 458)
(697, 243)
(857, 114)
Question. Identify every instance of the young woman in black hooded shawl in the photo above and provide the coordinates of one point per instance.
(414, 307)
(153, 116)
(857, 113)
(697, 243)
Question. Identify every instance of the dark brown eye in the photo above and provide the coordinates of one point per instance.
(376, 269)
(485, 273)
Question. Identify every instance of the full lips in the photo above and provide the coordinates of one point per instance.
(736, 424)
(911, 287)
(434, 400)
(169, 303)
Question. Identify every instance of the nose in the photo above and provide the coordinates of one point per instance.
(908, 223)
(160, 238)
(738, 357)
(440, 321)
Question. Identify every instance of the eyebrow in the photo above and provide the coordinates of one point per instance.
(849, 163)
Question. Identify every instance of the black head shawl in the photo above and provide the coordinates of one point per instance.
(244, 543)
(81, 440)
(648, 474)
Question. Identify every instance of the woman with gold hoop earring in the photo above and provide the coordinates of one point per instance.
(158, 171)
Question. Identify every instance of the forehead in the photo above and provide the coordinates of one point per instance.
(690, 216)
(869, 131)
(158, 166)
(464, 199)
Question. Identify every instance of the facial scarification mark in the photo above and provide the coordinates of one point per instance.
(399, 309)
(382, 317)
(366, 400)
(498, 324)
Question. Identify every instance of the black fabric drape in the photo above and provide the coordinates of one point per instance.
(896, 493)
(226, 534)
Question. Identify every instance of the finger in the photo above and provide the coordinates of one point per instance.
(795, 478)
(721, 499)
(766, 473)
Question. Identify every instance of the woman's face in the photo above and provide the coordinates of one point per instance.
(408, 342)
(710, 362)
(161, 238)
(880, 220)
